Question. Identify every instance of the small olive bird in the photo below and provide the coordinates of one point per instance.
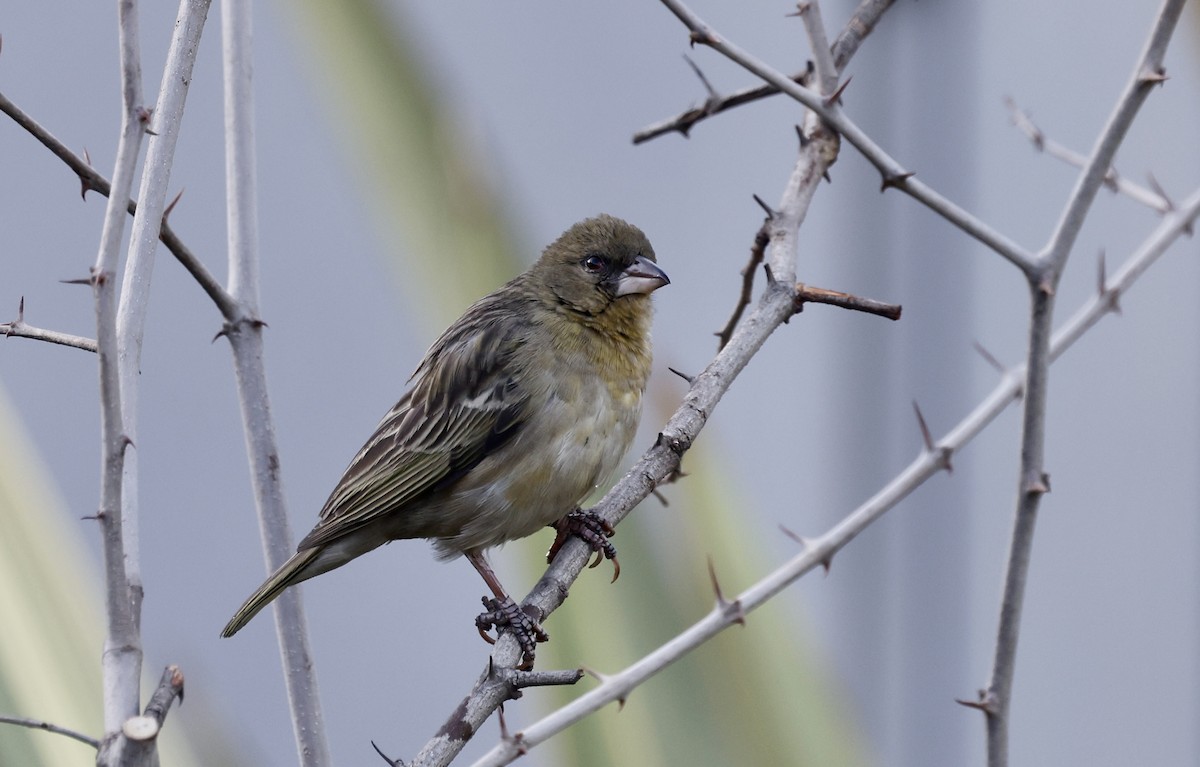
(517, 412)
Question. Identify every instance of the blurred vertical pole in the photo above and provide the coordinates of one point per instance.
(902, 607)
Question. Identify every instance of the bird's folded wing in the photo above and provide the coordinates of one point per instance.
(462, 406)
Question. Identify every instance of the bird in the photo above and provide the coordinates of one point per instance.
(514, 416)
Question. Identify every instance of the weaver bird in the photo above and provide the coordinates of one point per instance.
(513, 417)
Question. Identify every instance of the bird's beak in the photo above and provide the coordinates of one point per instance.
(642, 276)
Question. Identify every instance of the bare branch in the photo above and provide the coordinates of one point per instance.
(18, 329)
(807, 294)
(92, 179)
(1043, 279)
(245, 336)
(1152, 198)
(865, 17)
(894, 175)
(37, 724)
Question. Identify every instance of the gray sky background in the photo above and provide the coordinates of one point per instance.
(1107, 673)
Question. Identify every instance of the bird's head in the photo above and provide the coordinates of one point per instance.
(598, 263)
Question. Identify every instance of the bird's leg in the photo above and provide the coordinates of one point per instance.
(502, 612)
(592, 530)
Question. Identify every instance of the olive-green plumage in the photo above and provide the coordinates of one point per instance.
(518, 410)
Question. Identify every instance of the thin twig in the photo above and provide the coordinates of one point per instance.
(806, 294)
(894, 175)
(246, 338)
(1034, 482)
(37, 724)
(18, 329)
(1112, 179)
(747, 295)
(864, 19)
(92, 179)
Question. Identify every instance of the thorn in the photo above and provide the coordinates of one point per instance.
(701, 37)
(712, 92)
(801, 9)
(1153, 77)
(836, 96)
(684, 376)
(78, 281)
(734, 607)
(806, 543)
(1045, 286)
(1041, 485)
(171, 205)
(391, 762)
(84, 184)
(1110, 295)
(1167, 203)
(770, 274)
(896, 180)
(771, 213)
(594, 674)
(661, 498)
(21, 310)
(127, 442)
(800, 539)
(800, 135)
(926, 437)
(827, 177)
(986, 703)
(989, 358)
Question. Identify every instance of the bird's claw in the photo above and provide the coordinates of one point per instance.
(592, 530)
(507, 614)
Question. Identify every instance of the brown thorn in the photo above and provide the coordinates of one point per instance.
(171, 206)
(771, 212)
(988, 357)
(800, 135)
(926, 437)
(712, 92)
(836, 96)
(21, 310)
(828, 178)
(684, 376)
(769, 273)
(739, 615)
(661, 499)
(896, 180)
(77, 281)
(800, 539)
(1167, 202)
(391, 762)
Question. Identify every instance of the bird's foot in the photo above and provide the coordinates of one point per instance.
(592, 530)
(507, 614)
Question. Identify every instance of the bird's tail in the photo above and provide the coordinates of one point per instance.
(290, 573)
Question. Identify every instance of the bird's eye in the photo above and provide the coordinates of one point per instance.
(594, 264)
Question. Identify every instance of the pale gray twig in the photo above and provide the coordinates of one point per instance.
(37, 724)
(894, 174)
(17, 328)
(122, 659)
(861, 22)
(1033, 481)
(245, 336)
(1112, 179)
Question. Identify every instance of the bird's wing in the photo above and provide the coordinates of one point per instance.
(464, 403)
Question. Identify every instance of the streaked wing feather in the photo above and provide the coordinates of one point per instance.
(463, 404)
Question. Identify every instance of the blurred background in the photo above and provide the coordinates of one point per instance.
(412, 156)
